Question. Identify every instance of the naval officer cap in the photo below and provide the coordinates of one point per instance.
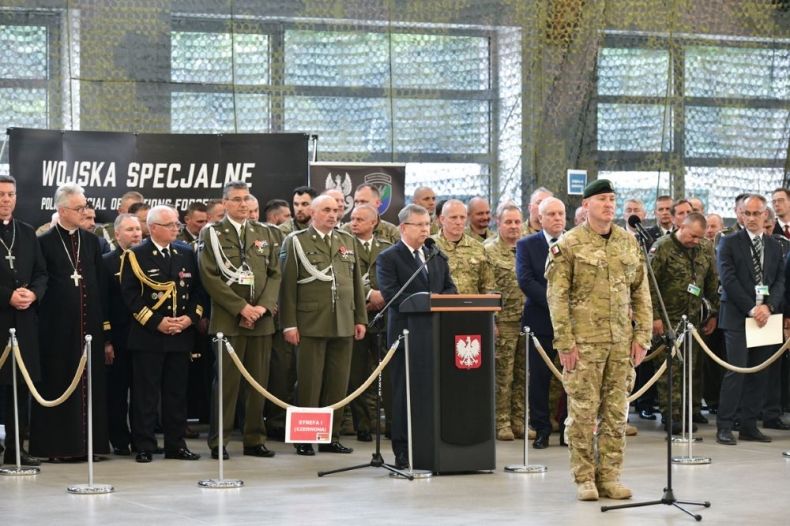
(599, 186)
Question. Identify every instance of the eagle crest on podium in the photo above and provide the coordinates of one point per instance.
(468, 349)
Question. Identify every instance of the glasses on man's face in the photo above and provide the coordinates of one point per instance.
(174, 224)
(78, 209)
(239, 199)
(753, 214)
(419, 225)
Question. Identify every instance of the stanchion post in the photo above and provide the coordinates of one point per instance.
(690, 459)
(18, 470)
(526, 467)
(220, 483)
(90, 488)
(416, 473)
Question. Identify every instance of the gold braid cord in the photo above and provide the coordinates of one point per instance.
(634, 396)
(69, 391)
(266, 394)
(168, 287)
(5, 354)
(735, 368)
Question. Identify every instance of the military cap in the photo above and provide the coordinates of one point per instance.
(599, 186)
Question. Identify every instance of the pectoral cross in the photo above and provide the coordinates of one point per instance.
(76, 277)
(10, 258)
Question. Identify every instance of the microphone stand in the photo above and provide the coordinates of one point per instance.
(668, 497)
(377, 461)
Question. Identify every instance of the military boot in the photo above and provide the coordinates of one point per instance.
(504, 433)
(586, 490)
(613, 489)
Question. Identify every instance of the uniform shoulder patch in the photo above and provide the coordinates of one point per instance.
(555, 250)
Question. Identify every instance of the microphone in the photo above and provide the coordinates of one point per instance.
(636, 223)
(430, 245)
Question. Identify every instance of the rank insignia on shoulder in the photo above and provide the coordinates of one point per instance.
(555, 250)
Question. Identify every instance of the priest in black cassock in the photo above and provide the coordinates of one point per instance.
(72, 308)
(23, 281)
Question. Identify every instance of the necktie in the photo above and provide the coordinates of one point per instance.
(787, 231)
(328, 241)
(166, 254)
(553, 240)
(423, 268)
(757, 250)
(367, 247)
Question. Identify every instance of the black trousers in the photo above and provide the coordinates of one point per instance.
(156, 372)
(742, 394)
(119, 381)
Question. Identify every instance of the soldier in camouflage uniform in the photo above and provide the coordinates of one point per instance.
(426, 198)
(686, 274)
(596, 287)
(479, 213)
(510, 374)
(469, 265)
(367, 194)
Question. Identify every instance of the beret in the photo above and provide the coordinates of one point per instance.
(599, 186)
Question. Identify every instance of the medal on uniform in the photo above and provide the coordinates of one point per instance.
(693, 289)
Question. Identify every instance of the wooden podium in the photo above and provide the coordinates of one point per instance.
(451, 366)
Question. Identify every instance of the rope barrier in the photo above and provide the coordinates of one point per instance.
(266, 394)
(735, 368)
(33, 391)
(5, 355)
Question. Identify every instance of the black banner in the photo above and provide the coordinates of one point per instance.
(170, 169)
(389, 178)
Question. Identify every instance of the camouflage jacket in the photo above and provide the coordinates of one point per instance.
(469, 265)
(503, 265)
(384, 230)
(676, 268)
(490, 234)
(596, 287)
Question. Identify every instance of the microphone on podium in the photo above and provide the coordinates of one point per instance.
(636, 223)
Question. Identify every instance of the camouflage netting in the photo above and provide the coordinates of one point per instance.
(479, 97)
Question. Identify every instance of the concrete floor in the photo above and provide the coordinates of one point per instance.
(746, 484)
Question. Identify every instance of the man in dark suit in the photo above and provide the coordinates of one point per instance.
(23, 281)
(395, 266)
(663, 214)
(531, 254)
(161, 288)
(752, 277)
(780, 199)
(127, 233)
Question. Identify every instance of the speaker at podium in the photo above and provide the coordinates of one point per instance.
(451, 367)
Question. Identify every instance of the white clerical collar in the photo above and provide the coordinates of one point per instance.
(237, 226)
(69, 230)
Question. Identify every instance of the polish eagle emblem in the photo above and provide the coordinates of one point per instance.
(338, 182)
(468, 351)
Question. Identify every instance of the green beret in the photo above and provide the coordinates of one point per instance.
(599, 186)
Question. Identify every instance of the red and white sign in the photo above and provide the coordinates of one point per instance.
(308, 424)
(468, 351)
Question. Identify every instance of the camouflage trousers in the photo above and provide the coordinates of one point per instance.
(678, 370)
(510, 375)
(598, 390)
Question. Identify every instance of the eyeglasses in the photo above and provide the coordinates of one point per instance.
(78, 209)
(239, 200)
(419, 225)
(175, 224)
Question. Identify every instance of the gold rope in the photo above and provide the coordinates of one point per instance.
(5, 354)
(735, 368)
(266, 394)
(169, 287)
(69, 391)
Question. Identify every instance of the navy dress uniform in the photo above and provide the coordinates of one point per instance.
(155, 285)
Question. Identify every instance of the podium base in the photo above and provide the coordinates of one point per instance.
(521, 468)
(88, 489)
(220, 483)
(691, 461)
(684, 439)
(19, 471)
(414, 474)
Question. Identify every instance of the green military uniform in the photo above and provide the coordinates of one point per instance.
(468, 263)
(526, 229)
(323, 297)
(490, 235)
(385, 231)
(365, 354)
(188, 238)
(510, 374)
(107, 231)
(678, 269)
(292, 225)
(221, 260)
(596, 288)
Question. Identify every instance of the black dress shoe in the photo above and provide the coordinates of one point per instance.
(215, 453)
(541, 440)
(9, 457)
(647, 414)
(258, 451)
(401, 461)
(182, 453)
(753, 435)
(724, 436)
(144, 457)
(305, 450)
(699, 418)
(776, 423)
(364, 436)
(121, 451)
(334, 447)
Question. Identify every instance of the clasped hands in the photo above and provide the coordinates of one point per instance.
(170, 325)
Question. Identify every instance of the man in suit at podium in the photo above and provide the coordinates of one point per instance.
(395, 266)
